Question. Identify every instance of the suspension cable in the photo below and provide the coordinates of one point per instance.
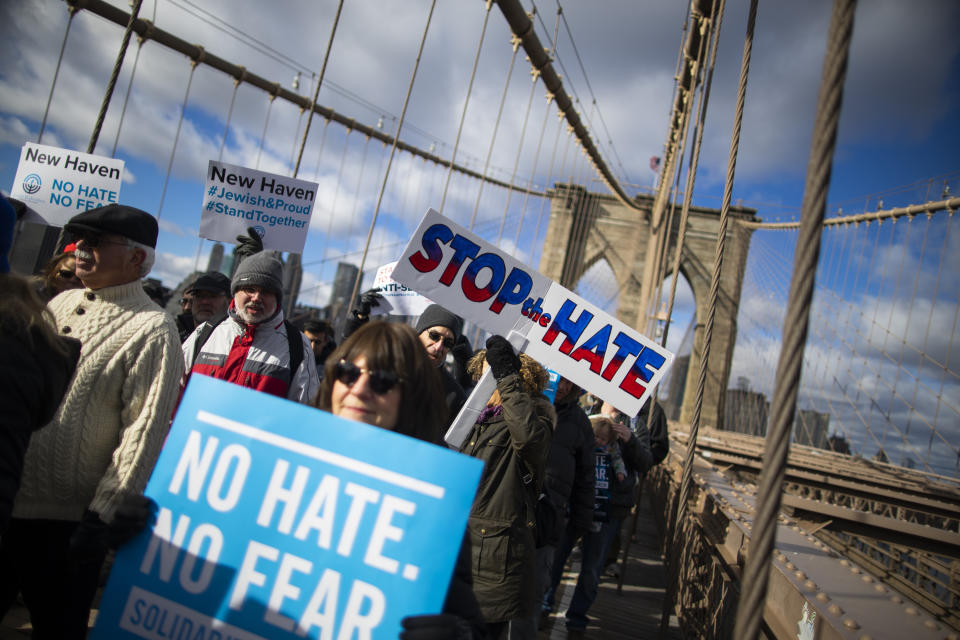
(757, 570)
(533, 173)
(393, 150)
(266, 122)
(316, 91)
(112, 83)
(515, 43)
(56, 73)
(176, 137)
(126, 96)
(466, 102)
(687, 473)
(543, 201)
(516, 162)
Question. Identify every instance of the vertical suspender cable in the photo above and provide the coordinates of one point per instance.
(316, 91)
(105, 104)
(393, 150)
(686, 477)
(466, 101)
(515, 42)
(223, 143)
(516, 162)
(756, 572)
(336, 192)
(126, 97)
(533, 171)
(176, 137)
(546, 198)
(266, 123)
(63, 45)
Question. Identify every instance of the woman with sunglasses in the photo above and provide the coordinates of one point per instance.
(381, 375)
(59, 274)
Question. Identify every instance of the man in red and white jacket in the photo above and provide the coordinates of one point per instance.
(252, 345)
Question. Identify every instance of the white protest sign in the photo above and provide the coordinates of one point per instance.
(397, 299)
(59, 183)
(278, 207)
(277, 520)
(477, 280)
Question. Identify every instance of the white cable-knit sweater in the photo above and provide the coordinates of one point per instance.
(108, 431)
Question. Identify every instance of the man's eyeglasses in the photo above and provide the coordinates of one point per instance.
(381, 381)
(93, 241)
(66, 274)
(436, 336)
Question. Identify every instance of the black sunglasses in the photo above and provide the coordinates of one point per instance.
(66, 274)
(447, 342)
(381, 381)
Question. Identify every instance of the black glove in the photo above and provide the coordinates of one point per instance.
(249, 244)
(368, 299)
(131, 517)
(503, 361)
(89, 539)
(443, 626)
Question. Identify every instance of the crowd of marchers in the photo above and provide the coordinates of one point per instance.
(93, 370)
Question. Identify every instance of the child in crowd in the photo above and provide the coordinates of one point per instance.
(605, 439)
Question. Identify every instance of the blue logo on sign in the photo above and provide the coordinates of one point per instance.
(260, 231)
(31, 184)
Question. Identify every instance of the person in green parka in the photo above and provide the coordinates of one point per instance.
(512, 436)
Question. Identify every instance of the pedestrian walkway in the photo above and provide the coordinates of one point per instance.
(630, 611)
(633, 611)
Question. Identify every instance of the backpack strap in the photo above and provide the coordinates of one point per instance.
(295, 344)
(204, 334)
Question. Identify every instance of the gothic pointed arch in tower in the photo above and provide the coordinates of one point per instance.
(585, 227)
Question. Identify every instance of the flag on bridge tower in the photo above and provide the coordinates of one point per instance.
(655, 164)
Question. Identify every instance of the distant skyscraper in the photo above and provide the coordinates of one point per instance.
(746, 412)
(810, 428)
(292, 277)
(340, 296)
(216, 257)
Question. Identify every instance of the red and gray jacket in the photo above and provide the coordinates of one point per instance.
(253, 356)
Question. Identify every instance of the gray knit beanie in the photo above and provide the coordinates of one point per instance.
(262, 270)
(437, 316)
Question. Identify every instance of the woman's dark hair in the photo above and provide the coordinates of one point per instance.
(23, 312)
(395, 347)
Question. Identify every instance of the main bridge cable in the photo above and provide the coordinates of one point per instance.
(522, 27)
(147, 30)
(757, 570)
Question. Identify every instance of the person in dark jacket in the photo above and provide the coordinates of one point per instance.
(512, 437)
(35, 370)
(320, 335)
(569, 481)
(381, 375)
(613, 500)
(438, 330)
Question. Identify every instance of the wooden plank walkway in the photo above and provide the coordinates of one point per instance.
(632, 613)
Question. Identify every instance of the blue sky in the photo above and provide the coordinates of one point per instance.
(899, 125)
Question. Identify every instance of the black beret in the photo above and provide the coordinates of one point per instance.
(118, 219)
(211, 281)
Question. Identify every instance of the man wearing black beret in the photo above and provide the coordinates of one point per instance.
(103, 441)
